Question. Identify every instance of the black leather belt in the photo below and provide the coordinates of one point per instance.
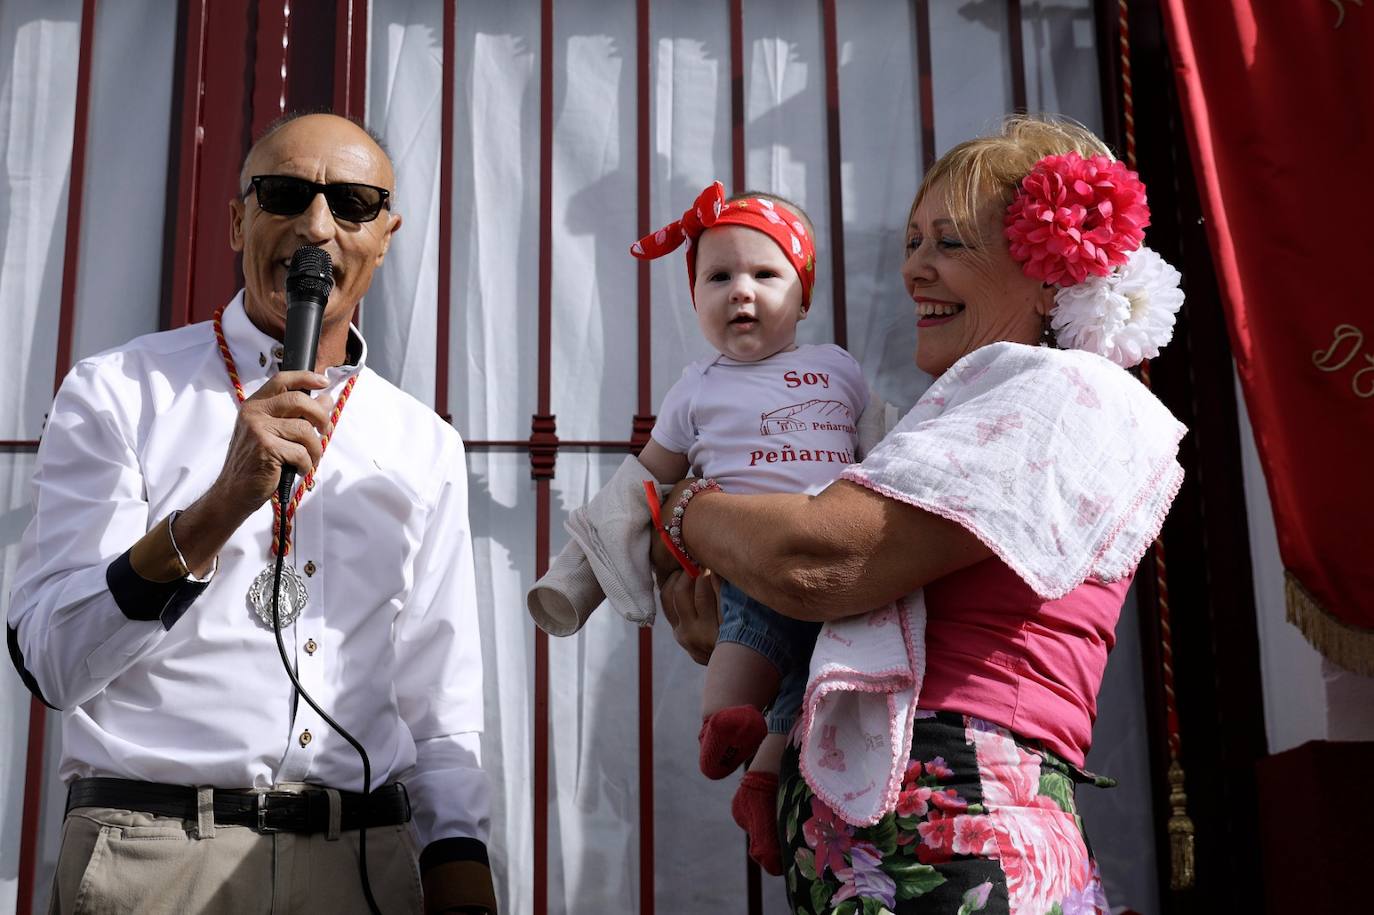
(262, 811)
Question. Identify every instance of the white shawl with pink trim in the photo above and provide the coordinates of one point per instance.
(1061, 462)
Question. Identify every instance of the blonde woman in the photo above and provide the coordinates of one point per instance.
(971, 570)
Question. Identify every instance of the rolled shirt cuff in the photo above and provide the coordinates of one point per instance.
(151, 601)
(457, 874)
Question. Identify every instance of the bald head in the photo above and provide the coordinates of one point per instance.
(319, 127)
(323, 149)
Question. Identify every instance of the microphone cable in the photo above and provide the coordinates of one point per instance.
(283, 499)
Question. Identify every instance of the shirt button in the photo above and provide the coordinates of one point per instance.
(310, 646)
(278, 353)
(262, 359)
(310, 568)
(306, 738)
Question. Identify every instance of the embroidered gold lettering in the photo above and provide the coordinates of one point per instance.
(1366, 388)
(1346, 343)
(1327, 362)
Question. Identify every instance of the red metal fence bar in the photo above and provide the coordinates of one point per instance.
(270, 63)
(739, 181)
(830, 39)
(38, 713)
(738, 178)
(350, 58)
(1016, 52)
(189, 101)
(920, 12)
(643, 423)
(543, 455)
(444, 298)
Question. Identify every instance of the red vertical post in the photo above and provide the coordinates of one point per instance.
(738, 178)
(350, 58)
(1017, 53)
(38, 713)
(739, 181)
(543, 455)
(643, 423)
(830, 28)
(920, 12)
(270, 63)
(213, 123)
(445, 293)
(75, 194)
(189, 100)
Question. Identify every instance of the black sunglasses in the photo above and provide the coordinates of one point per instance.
(283, 195)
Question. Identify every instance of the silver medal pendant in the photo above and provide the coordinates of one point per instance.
(289, 605)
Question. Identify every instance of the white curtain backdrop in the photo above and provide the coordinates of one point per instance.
(491, 386)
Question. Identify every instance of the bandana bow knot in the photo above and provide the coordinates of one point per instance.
(710, 209)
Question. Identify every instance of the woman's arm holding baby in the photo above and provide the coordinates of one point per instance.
(836, 554)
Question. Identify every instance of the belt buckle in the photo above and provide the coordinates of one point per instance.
(264, 808)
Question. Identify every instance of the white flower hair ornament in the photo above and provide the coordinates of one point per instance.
(1079, 224)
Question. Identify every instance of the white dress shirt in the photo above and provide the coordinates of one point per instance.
(387, 644)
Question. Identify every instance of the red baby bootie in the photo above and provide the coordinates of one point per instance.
(754, 809)
(728, 738)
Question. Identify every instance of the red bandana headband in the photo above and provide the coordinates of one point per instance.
(758, 213)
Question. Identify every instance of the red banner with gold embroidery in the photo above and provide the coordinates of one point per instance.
(1279, 98)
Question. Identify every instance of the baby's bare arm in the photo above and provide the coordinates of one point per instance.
(667, 466)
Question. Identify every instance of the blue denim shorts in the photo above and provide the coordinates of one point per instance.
(786, 642)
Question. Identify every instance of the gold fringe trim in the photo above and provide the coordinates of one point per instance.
(1351, 647)
(1181, 872)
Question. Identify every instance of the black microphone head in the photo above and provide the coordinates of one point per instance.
(311, 274)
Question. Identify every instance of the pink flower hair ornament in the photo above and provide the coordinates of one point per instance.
(1075, 217)
(1080, 224)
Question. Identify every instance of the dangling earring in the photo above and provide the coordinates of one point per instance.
(1047, 337)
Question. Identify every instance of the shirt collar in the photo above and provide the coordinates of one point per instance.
(257, 356)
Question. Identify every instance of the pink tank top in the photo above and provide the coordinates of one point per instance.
(996, 650)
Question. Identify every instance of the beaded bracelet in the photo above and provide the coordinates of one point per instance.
(674, 525)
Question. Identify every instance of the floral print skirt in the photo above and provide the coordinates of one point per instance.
(985, 822)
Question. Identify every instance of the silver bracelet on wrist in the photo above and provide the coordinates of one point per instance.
(171, 519)
(185, 566)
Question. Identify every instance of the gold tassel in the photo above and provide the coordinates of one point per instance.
(1339, 642)
(1181, 873)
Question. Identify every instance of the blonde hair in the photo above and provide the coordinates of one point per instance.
(987, 170)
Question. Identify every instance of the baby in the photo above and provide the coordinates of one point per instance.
(763, 415)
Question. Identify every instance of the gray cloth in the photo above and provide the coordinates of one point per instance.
(607, 559)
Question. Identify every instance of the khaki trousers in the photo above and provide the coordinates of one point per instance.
(120, 861)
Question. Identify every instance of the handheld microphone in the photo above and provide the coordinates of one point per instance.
(308, 282)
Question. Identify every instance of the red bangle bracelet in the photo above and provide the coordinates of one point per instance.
(651, 494)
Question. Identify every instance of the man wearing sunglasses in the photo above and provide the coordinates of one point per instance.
(199, 780)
